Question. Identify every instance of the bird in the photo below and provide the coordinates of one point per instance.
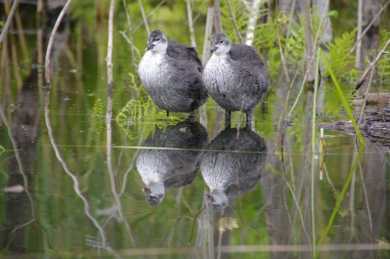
(172, 74)
(232, 164)
(173, 159)
(235, 77)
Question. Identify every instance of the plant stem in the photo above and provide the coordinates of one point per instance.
(8, 21)
(51, 41)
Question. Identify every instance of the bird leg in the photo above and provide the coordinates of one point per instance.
(228, 119)
(167, 113)
(249, 119)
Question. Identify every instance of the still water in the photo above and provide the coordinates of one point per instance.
(270, 192)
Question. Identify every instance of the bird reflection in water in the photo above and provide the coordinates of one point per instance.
(232, 165)
(174, 159)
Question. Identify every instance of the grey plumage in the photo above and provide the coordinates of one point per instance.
(164, 168)
(233, 165)
(235, 76)
(172, 74)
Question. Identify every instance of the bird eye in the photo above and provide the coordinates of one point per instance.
(221, 41)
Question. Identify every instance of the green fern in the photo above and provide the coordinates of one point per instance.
(97, 121)
(340, 59)
(141, 109)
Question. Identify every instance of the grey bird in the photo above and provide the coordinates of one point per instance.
(173, 159)
(232, 164)
(235, 77)
(172, 74)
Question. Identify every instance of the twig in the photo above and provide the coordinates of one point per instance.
(206, 50)
(138, 26)
(361, 113)
(51, 41)
(234, 20)
(76, 184)
(309, 45)
(190, 23)
(21, 170)
(129, 37)
(314, 151)
(217, 16)
(377, 15)
(254, 14)
(144, 17)
(109, 118)
(372, 65)
(358, 58)
(8, 21)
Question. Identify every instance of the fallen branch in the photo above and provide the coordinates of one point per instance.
(51, 41)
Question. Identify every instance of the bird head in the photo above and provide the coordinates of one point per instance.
(221, 44)
(218, 199)
(154, 193)
(157, 42)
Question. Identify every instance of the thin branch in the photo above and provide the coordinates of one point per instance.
(254, 14)
(144, 17)
(138, 26)
(109, 86)
(109, 118)
(8, 21)
(51, 41)
(234, 21)
(21, 169)
(358, 58)
(368, 27)
(190, 23)
(217, 16)
(76, 184)
(372, 65)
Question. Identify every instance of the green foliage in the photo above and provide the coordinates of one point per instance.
(80, 10)
(295, 45)
(268, 38)
(98, 116)
(2, 150)
(229, 24)
(140, 110)
(383, 67)
(340, 59)
(346, 105)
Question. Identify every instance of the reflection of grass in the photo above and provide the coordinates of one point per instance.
(141, 114)
(2, 150)
(138, 112)
(357, 156)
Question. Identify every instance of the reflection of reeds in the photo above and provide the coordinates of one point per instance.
(51, 42)
(110, 84)
(7, 24)
(76, 185)
(21, 170)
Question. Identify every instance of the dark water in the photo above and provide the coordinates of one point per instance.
(276, 193)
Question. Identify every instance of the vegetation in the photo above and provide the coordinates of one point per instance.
(316, 188)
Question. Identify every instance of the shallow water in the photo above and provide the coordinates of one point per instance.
(65, 193)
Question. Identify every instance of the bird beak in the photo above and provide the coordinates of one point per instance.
(149, 46)
(213, 49)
